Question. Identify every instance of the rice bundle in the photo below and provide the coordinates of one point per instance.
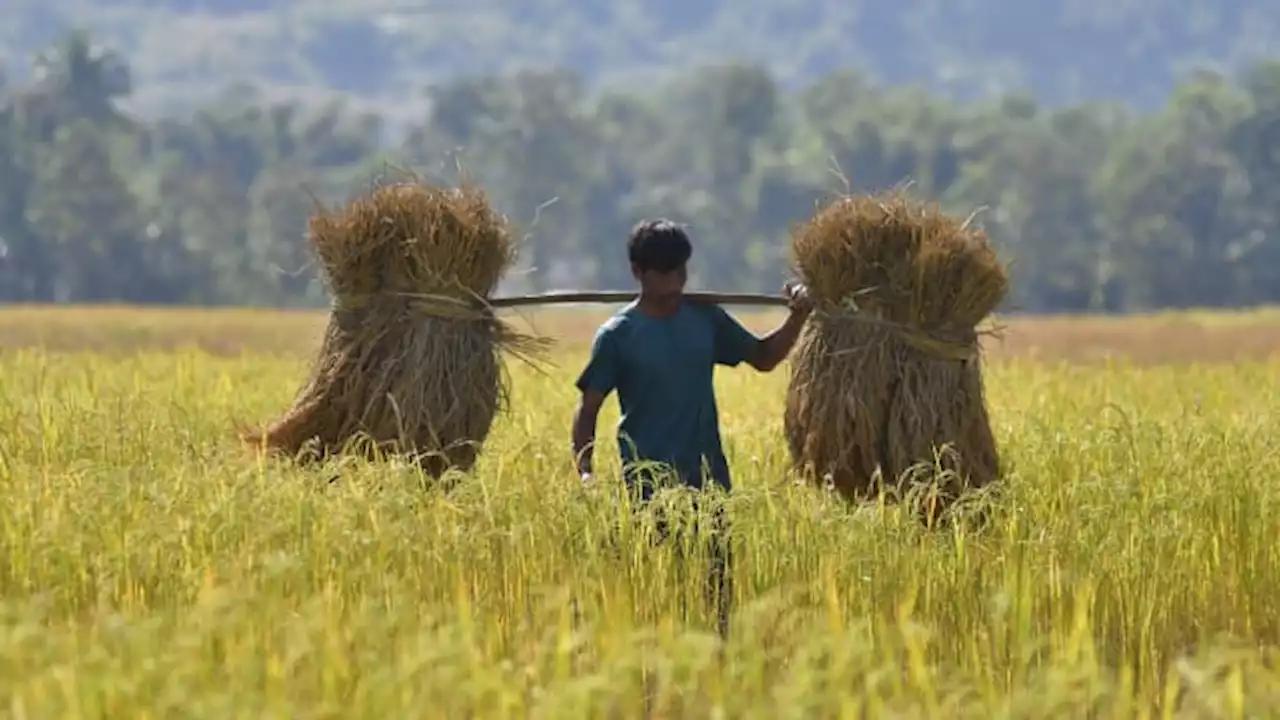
(886, 380)
(411, 360)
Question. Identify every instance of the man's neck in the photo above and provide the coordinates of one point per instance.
(657, 307)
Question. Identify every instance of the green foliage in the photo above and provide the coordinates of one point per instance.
(1098, 207)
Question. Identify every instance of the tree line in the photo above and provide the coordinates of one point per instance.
(1098, 207)
(382, 51)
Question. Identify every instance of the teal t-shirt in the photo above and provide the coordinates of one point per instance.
(662, 370)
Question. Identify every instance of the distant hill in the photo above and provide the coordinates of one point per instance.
(385, 51)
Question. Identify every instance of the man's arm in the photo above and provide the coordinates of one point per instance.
(597, 380)
(774, 347)
(584, 430)
(735, 344)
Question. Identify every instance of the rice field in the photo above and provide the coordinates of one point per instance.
(149, 567)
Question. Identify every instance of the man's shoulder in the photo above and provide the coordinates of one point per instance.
(617, 323)
(704, 312)
(623, 316)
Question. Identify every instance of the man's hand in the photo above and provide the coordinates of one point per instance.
(798, 299)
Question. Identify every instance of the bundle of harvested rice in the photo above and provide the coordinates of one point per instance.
(886, 380)
(411, 361)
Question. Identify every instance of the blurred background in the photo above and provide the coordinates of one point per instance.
(1124, 154)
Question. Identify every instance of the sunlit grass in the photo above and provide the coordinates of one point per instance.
(151, 567)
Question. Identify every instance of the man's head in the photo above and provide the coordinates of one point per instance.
(659, 251)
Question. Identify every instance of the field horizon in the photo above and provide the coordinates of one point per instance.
(151, 566)
(1173, 336)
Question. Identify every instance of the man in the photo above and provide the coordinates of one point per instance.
(659, 354)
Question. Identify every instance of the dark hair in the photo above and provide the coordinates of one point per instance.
(659, 245)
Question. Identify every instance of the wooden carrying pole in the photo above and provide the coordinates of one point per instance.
(617, 297)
